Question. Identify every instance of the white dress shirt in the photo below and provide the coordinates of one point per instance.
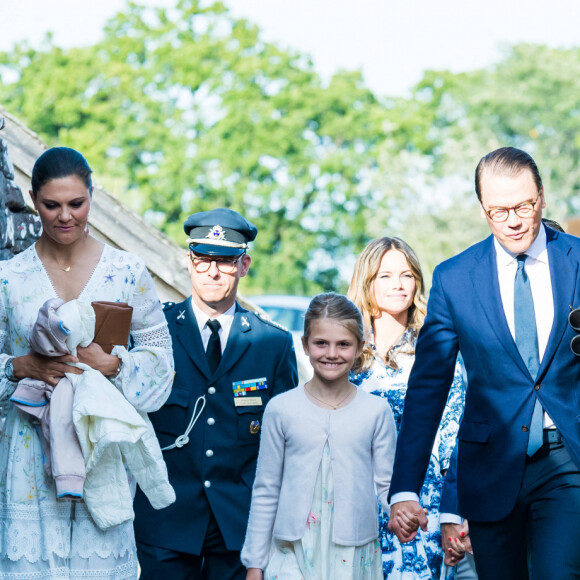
(226, 319)
(538, 271)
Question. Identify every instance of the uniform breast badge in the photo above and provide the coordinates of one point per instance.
(254, 427)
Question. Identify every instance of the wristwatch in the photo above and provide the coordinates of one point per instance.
(9, 370)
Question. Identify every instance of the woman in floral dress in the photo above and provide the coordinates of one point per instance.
(387, 286)
(41, 537)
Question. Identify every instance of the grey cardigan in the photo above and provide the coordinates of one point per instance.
(361, 437)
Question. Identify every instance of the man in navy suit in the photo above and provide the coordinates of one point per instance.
(229, 362)
(503, 303)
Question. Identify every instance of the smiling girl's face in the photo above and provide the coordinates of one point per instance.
(332, 349)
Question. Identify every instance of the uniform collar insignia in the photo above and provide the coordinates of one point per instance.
(245, 321)
(216, 233)
(181, 315)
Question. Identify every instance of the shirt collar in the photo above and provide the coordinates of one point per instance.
(537, 251)
(202, 317)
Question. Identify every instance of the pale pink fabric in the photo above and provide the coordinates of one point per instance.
(52, 407)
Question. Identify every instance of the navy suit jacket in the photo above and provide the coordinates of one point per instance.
(214, 472)
(465, 312)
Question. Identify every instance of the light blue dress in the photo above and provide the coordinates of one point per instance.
(42, 537)
(423, 557)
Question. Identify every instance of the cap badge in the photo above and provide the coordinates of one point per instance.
(216, 233)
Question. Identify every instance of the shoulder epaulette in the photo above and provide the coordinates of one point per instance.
(270, 321)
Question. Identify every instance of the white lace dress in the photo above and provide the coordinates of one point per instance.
(40, 537)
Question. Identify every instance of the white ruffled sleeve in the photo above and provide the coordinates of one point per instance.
(6, 387)
(147, 368)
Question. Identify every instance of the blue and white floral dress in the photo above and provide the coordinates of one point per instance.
(42, 538)
(421, 558)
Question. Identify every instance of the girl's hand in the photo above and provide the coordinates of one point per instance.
(49, 369)
(95, 357)
(254, 574)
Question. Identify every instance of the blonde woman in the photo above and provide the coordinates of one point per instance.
(387, 286)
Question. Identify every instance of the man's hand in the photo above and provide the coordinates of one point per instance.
(405, 519)
(456, 542)
(254, 574)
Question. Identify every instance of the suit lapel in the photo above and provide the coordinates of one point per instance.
(563, 274)
(188, 335)
(484, 273)
(238, 341)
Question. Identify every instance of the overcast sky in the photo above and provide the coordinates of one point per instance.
(393, 42)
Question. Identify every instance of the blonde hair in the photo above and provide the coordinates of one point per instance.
(361, 290)
(340, 309)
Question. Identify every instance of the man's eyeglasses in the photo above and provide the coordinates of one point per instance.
(202, 265)
(501, 214)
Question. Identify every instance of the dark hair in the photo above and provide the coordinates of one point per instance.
(60, 162)
(340, 309)
(507, 161)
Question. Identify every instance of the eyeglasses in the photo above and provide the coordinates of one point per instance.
(202, 265)
(523, 210)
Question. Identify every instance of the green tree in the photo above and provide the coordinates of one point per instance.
(185, 109)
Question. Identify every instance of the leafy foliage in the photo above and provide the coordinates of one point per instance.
(185, 109)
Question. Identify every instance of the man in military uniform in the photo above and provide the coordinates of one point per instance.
(229, 363)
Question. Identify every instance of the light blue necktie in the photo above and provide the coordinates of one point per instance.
(527, 343)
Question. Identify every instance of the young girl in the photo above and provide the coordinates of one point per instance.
(324, 447)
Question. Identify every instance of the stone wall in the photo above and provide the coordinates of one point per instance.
(19, 226)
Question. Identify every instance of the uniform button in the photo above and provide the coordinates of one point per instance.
(209, 453)
(537, 388)
(207, 483)
(211, 421)
(525, 429)
(211, 390)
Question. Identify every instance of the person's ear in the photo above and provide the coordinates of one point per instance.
(304, 345)
(33, 198)
(246, 261)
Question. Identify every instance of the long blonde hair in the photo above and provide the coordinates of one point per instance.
(361, 290)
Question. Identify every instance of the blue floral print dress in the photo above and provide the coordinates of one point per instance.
(421, 558)
(41, 537)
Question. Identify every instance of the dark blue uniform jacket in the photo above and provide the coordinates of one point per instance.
(214, 471)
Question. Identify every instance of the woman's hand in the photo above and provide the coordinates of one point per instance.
(456, 542)
(49, 369)
(254, 574)
(95, 357)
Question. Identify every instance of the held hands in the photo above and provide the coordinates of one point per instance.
(456, 542)
(254, 574)
(406, 518)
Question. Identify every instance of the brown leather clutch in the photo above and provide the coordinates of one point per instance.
(112, 324)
